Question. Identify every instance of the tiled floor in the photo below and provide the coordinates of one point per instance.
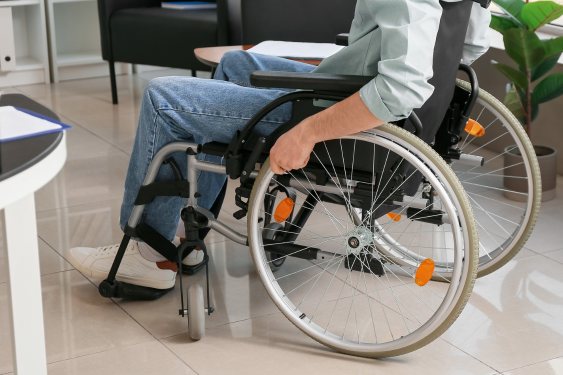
(513, 323)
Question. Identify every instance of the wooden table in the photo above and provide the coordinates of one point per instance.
(211, 56)
(26, 165)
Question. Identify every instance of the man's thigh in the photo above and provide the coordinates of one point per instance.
(206, 110)
(237, 66)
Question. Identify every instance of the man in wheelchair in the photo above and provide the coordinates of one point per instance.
(391, 41)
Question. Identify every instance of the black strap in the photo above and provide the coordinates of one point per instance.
(147, 193)
(155, 240)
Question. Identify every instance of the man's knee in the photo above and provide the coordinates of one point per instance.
(235, 56)
(159, 85)
(236, 60)
(164, 90)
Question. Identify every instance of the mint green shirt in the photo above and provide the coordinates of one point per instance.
(393, 40)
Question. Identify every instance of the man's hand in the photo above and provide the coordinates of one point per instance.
(293, 149)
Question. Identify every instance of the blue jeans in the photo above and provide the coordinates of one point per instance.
(199, 110)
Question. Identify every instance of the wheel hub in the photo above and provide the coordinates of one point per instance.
(360, 238)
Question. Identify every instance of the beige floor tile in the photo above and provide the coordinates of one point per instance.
(149, 358)
(77, 321)
(154, 73)
(84, 144)
(92, 224)
(273, 345)
(94, 87)
(49, 261)
(513, 317)
(525, 253)
(547, 235)
(551, 367)
(556, 255)
(115, 124)
(9, 90)
(86, 180)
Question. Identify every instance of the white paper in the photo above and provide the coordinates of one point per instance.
(16, 124)
(296, 50)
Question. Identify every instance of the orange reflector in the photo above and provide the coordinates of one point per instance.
(393, 216)
(424, 272)
(474, 128)
(283, 210)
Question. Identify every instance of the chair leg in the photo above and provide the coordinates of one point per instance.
(194, 73)
(113, 82)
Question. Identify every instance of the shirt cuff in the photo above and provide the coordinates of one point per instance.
(371, 98)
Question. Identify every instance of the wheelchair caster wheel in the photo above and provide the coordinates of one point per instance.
(196, 312)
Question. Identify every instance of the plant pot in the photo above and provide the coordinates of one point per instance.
(513, 162)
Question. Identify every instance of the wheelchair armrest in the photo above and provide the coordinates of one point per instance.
(342, 39)
(346, 84)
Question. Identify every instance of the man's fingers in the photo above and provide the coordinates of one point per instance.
(274, 166)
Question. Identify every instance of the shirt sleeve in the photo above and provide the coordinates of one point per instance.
(477, 39)
(408, 34)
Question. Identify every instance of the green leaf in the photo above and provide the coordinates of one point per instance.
(515, 76)
(514, 104)
(525, 48)
(548, 89)
(511, 7)
(547, 64)
(553, 50)
(503, 23)
(536, 14)
(553, 46)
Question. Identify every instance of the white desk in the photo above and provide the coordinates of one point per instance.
(18, 204)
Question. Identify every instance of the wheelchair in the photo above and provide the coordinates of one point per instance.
(373, 248)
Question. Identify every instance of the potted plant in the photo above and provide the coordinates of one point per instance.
(531, 81)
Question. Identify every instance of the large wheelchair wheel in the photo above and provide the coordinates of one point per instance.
(505, 217)
(335, 285)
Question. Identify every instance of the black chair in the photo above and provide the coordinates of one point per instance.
(292, 20)
(141, 32)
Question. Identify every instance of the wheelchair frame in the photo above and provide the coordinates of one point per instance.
(242, 155)
(247, 149)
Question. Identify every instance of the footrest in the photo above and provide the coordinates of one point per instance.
(122, 290)
(364, 263)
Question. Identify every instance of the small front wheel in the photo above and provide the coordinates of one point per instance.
(196, 312)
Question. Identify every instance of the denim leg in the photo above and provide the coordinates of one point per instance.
(237, 66)
(194, 110)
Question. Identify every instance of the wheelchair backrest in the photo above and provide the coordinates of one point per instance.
(448, 52)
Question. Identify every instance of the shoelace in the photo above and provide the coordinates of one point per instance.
(107, 250)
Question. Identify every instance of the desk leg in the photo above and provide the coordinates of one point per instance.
(28, 333)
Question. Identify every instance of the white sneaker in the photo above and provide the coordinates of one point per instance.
(134, 269)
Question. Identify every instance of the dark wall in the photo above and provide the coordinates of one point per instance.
(547, 130)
